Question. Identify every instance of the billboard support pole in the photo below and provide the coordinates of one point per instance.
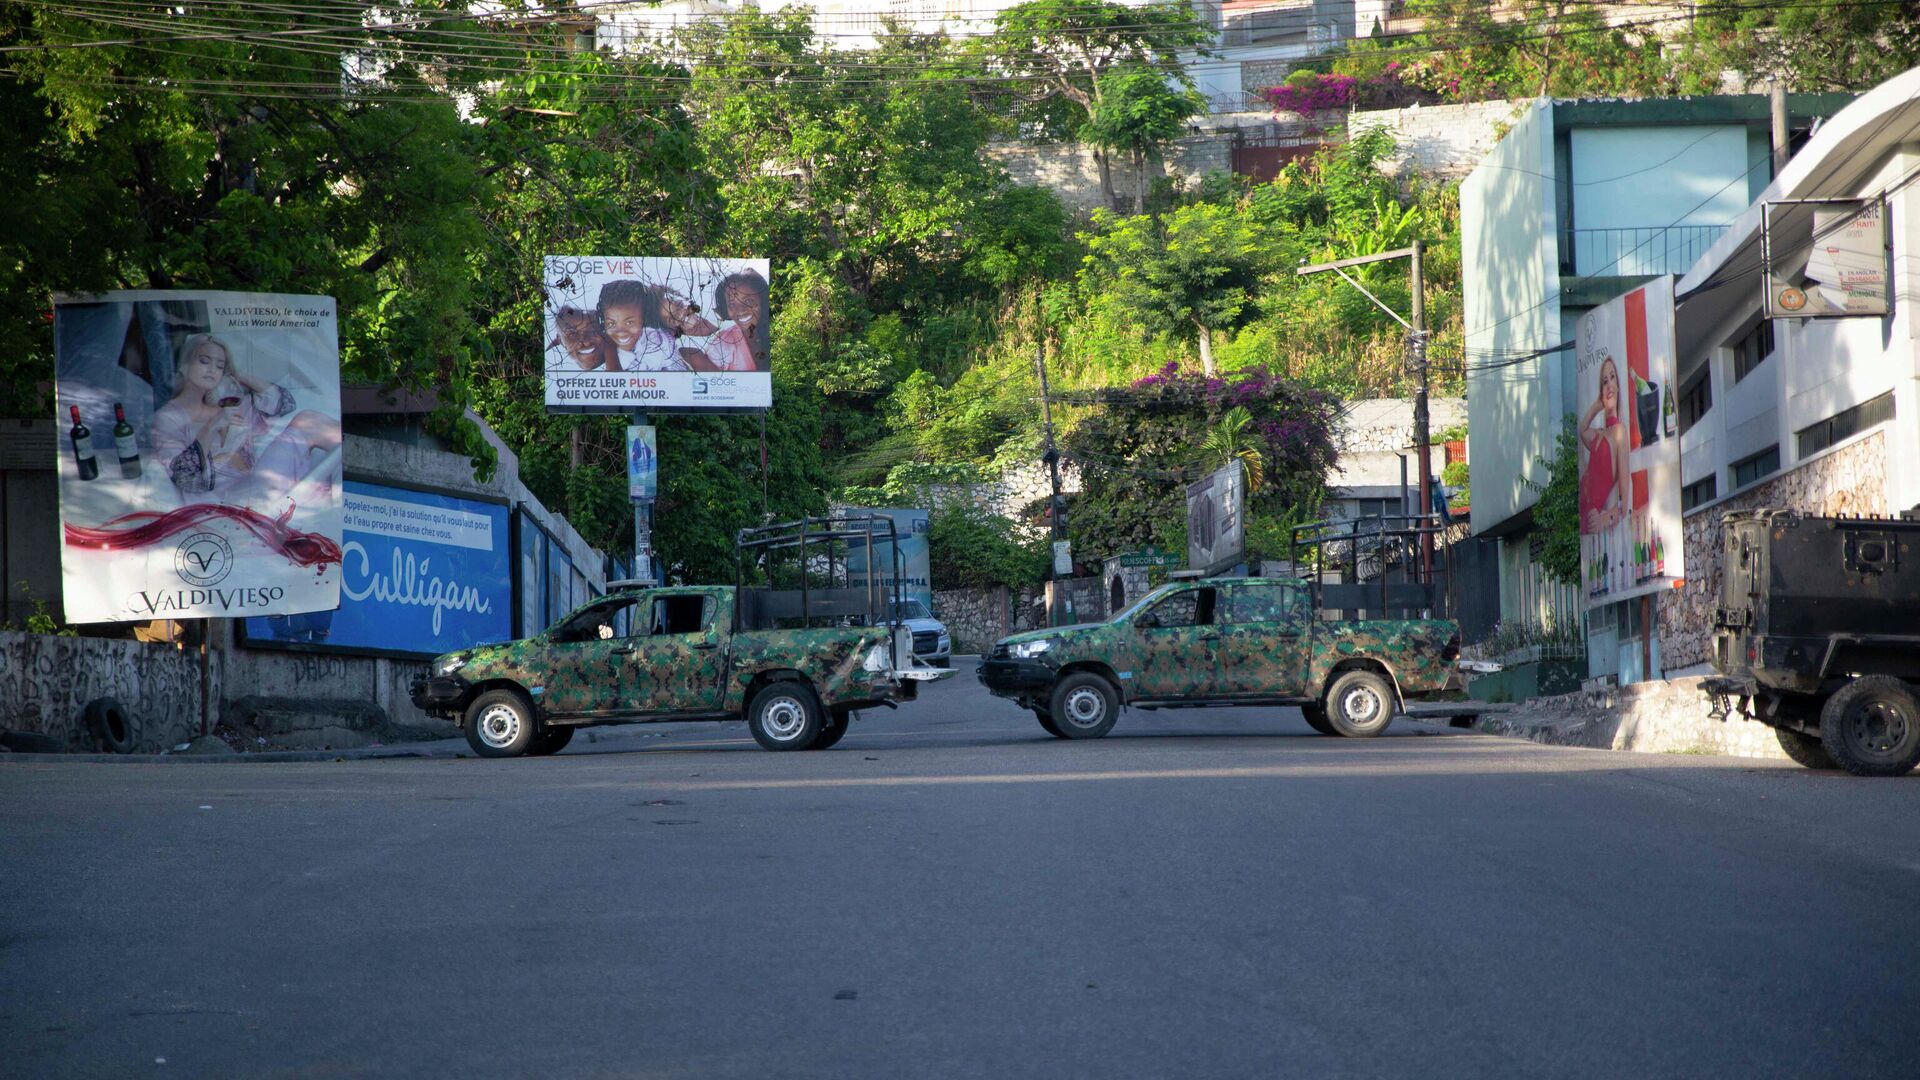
(643, 524)
(1422, 435)
(1052, 458)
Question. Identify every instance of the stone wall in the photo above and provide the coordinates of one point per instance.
(46, 683)
(1664, 717)
(1851, 480)
(976, 618)
(1010, 493)
(1435, 140)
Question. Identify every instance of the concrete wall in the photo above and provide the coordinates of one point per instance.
(46, 683)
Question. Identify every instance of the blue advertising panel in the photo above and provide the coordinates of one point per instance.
(643, 462)
(421, 574)
(916, 569)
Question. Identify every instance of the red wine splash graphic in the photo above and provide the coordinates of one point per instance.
(300, 548)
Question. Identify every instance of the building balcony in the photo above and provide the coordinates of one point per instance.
(1635, 252)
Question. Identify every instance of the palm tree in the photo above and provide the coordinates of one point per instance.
(1229, 441)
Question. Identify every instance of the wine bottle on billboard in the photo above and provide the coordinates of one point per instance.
(83, 446)
(123, 441)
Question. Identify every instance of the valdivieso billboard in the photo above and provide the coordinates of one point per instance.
(199, 462)
(421, 574)
(633, 334)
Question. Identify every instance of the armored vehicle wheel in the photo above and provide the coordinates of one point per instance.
(1872, 726)
(1316, 718)
(833, 730)
(1046, 721)
(1359, 705)
(1084, 706)
(551, 741)
(1805, 749)
(499, 724)
(784, 716)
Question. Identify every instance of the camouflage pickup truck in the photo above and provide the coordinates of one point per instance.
(648, 654)
(1247, 641)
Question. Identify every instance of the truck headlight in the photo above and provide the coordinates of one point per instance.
(450, 663)
(1027, 650)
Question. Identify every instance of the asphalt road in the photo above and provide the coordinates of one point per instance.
(953, 893)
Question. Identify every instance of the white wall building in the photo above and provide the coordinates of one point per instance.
(1819, 415)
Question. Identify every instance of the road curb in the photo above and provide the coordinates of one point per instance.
(265, 757)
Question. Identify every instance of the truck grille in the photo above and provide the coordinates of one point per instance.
(926, 640)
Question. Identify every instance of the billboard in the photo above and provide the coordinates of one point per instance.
(1629, 446)
(421, 574)
(1826, 259)
(916, 554)
(643, 462)
(1216, 525)
(631, 334)
(199, 454)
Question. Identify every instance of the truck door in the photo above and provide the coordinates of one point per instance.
(679, 658)
(1176, 647)
(1264, 640)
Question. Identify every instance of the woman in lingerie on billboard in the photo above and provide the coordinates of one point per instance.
(1606, 473)
(212, 436)
(742, 343)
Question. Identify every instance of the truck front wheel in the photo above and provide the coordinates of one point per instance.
(499, 724)
(1360, 705)
(784, 716)
(1872, 726)
(1084, 706)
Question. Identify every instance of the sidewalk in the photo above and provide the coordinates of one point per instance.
(1666, 717)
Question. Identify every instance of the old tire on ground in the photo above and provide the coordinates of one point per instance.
(785, 716)
(550, 741)
(833, 730)
(1872, 726)
(1360, 704)
(1805, 749)
(112, 726)
(500, 724)
(1084, 705)
(1316, 718)
(1046, 721)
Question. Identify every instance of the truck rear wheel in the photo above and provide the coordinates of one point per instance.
(1084, 706)
(1872, 726)
(1805, 749)
(1360, 705)
(833, 730)
(784, 716)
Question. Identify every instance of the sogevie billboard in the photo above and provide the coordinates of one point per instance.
(1629, 446)
(421, 574)
(199, 467)
(631, 334)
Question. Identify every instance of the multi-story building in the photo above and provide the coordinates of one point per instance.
(1583, 200)
(1820, 415)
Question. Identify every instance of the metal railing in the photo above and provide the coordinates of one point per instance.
(1635, 252)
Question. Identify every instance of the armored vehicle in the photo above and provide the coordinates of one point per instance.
(1239, 641)
(1817, 634)
(795, 663)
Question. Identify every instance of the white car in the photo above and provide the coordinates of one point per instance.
(931, 644)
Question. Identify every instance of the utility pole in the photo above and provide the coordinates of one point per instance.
(1416, 364)
(1055, 508)
(1422, 437)
(1777, 105)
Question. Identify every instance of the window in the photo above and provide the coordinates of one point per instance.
(1696, 397)
(1374, 508)
(1752, 349)
(1764, 463)
(679, 614)
(1845, 424)
(609, 618)
(1700, 491)
(1190, 607)
(1262, 604)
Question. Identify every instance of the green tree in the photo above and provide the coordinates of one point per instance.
(1192, 272)
(1816, 45)
(1228, 441)
(1557, 512)
(1138, 114)
(1063, 52)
